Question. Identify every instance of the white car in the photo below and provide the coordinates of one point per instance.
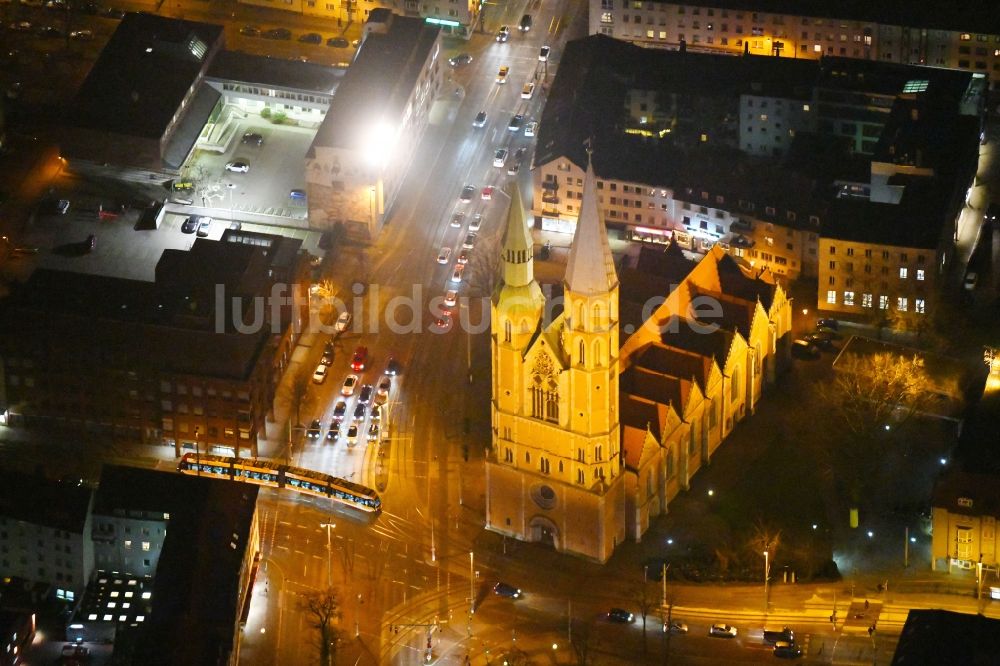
(238, 166)
(502, 74)
(543, 54)
(528, 90)
(531, 128)
(319, 375)
(456, 275)
(350, 383)
(477, 222)
(722, 630)
(444, 255)
(450, 298)
(343, 321)
(500, 158)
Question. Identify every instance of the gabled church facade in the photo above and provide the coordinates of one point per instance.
(593, 436)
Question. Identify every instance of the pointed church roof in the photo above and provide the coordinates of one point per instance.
(518, 245)
(591, 268)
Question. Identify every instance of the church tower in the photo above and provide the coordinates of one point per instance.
(555, 472)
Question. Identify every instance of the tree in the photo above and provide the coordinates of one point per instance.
(298, 390)
(483, 270)
(322, 608)
(873, 399)
(646, 598)
(580, 640)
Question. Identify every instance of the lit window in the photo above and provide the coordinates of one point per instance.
(965, 37)
(763, 117)
(918, 306)
(818, 48)
(112, 604)
(92, 616)
(848, 298)
(606, 17)
(145, 545)
(866, 300)
(901, 304)
(831, 297)
(883, 302)
(107, 618)
(920, 274)
(902, 273)
(114, 594)
(140, 618)
(805, 107)
(128, 544)
(147, 595)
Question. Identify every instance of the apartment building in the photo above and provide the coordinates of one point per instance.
(965, 36)
(965, 508)
(190, 360)
(363, 149)
(45, 533)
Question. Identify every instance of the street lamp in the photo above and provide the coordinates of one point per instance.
(232, 215)
(472, 586)
(329, 554)
(767, 575)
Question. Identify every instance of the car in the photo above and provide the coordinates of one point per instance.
(503, 34)
(327, 359)
(311, 38)
(487, 193)
(277, 33)
(339, 410)
(457, 220)
(443, 323)
(352, 435)
(298, 195)
(500, 157)
(675, 627)
(50, 31)
(992, 213)
(456, 275)
(204, 227)
(20, 26)
(190, 225)
(505, 590)
(776, 634)
(359, 359)
(450, 298)
(350, 383)
(823, 339)
(531, 128)
(722, 630)
(971, 280)
(460, 60)
(254, 138)
(804, 349)
(832, 324)
(238, 166)
(55, 5)
(621, 616)
(480, 120)
(373, 432)
(366, 394)
(355, 43)
(376, 413)
(525, 24)
(502, 74)
(514, 167)
(477, 222)
(82, 35)
(360, 411)
(444, 255)
(338, 42)
(543, 54)
(515, 122)
(90, 243)
(314, 429)
(786, 650)
(343, 322)
(319, 375)
(392, 367)
(470, 241)
(333, 433)
(463, 257)
(467, 192)
(250, 31)
(114, 13)
(382, 392)
(528, 90)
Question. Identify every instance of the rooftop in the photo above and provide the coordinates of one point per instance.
(947, 637)
(277, 72)
(37, 500)
(143, 73)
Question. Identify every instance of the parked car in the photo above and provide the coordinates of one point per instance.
(676, 627)
(238, 166)
(190, 225)
(804, 349)
(338, 42)
(278, 33)
(505, 590)
(786, 650)
(823, 339)
(254, 138)
(319, 375)
(250, 31)
(82, 35)
(722, 630)
(621, 616)
(204, 227)
(343, 322)
(828, 323)
(311, 38)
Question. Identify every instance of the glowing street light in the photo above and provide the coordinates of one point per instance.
(379, 141)
(767, 575)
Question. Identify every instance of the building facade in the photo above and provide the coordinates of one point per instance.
(965, 509)
(364, 147)
(964, 38)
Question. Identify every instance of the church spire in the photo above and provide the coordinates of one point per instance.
(591, 269)
(518, 246)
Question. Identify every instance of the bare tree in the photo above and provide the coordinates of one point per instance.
(873, 398)
(347, 550)
(483, 270)
(764, 538)
(321, 608)
(297, 392)
(646, 597)
(580, 640)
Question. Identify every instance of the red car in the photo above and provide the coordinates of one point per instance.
(359, 359)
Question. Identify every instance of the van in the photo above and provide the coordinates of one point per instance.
(776, 634)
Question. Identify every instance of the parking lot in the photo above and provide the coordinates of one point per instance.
(276, 167)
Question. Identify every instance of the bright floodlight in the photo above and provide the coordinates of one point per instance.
(380, 140)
